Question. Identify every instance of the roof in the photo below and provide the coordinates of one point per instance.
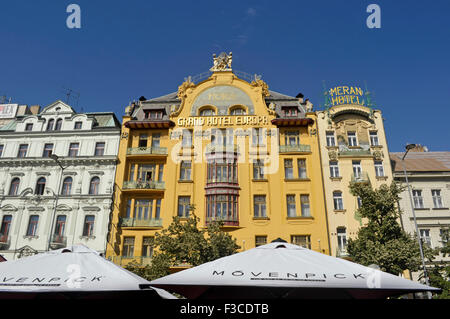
(421, 161)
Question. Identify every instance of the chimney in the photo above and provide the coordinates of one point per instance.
(300, 98)
(419, 148)
(34, 109)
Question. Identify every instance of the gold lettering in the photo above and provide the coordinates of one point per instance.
(345, 89)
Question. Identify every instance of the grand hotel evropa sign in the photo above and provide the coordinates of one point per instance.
(223, 120)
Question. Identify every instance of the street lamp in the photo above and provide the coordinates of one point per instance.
(408, 148)
(56, 159)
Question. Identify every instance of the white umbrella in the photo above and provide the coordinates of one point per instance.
(282, 270)
(72, 272)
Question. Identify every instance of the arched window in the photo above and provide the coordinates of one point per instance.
(14, 189)
(94, 186)
(237, 111)
(40, 186)
(67, 186)
(58, 125)
(50, 124)
(207, 112)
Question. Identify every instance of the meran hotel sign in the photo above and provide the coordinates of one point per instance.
(346, 95)
(234, 120)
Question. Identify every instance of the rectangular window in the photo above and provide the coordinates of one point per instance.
(73, 149)
(417, 198)
(437, 199)
(29, 127)
(128, 210)
(4, 229)
(291, 138)
(78, 125)
(334, 169)
(301, 163)
(259, 206)
(359, 202)
(352, 141)
(373, 138)
(301, 240)
(426, 238)
(304, 202)
(342, 239)
(158, 209)
(156, 137)
(99, 149)
(290, 203)
(357, 170)
(288, 169)
(260, 240)
(290, 111)
(1, 150)
(258, 169)
(147, 246)
(186, 138)
(143, 140)
(330, 139)
(60, 229)
(32, 225)
(379, 170)
(337, 201)
(160, 172)
(146, 172)
(128, 247)
(185, 171)
(22, 150)
(143, 208)
(88, 226)
(257, 136)
(184, 203)
(48, 150)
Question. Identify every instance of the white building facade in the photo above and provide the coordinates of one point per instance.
(429, 178)
(47, 201)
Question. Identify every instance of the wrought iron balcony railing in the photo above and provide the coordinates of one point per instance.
(362, 177)
(58, 241)
(219, 148)
(295, 148)
(147, 151)
(134, 222)
(143, 185)
(227, 220)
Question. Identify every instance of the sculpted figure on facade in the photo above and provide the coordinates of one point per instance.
(222, 62)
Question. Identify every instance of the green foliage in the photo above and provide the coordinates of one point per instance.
(439, 274)
(183, 243)
(381, 240)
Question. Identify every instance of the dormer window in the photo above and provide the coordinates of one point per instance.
(290, 111)
(29, 127)
(78, 125)
(237, 111)
(207, 112)
(50, 124)
(153, 114)
(58, 125)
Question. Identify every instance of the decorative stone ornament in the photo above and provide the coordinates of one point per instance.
(222, 62)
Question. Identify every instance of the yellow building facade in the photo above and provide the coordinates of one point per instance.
(353, 149)
(231, 148)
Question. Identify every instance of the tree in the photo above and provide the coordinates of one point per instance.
(439, 274)
(183, 243)
(382, 241)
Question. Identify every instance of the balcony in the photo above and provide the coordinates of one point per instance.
(295, 148)
(132, 185)
(147, 151)
(218, 148)
(362, 177)
(227, 220)
(124, 260)
(4, 241)
(354, 151)
(58, 241)
(134, 222)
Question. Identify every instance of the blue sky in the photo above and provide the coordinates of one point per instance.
(126, 49)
